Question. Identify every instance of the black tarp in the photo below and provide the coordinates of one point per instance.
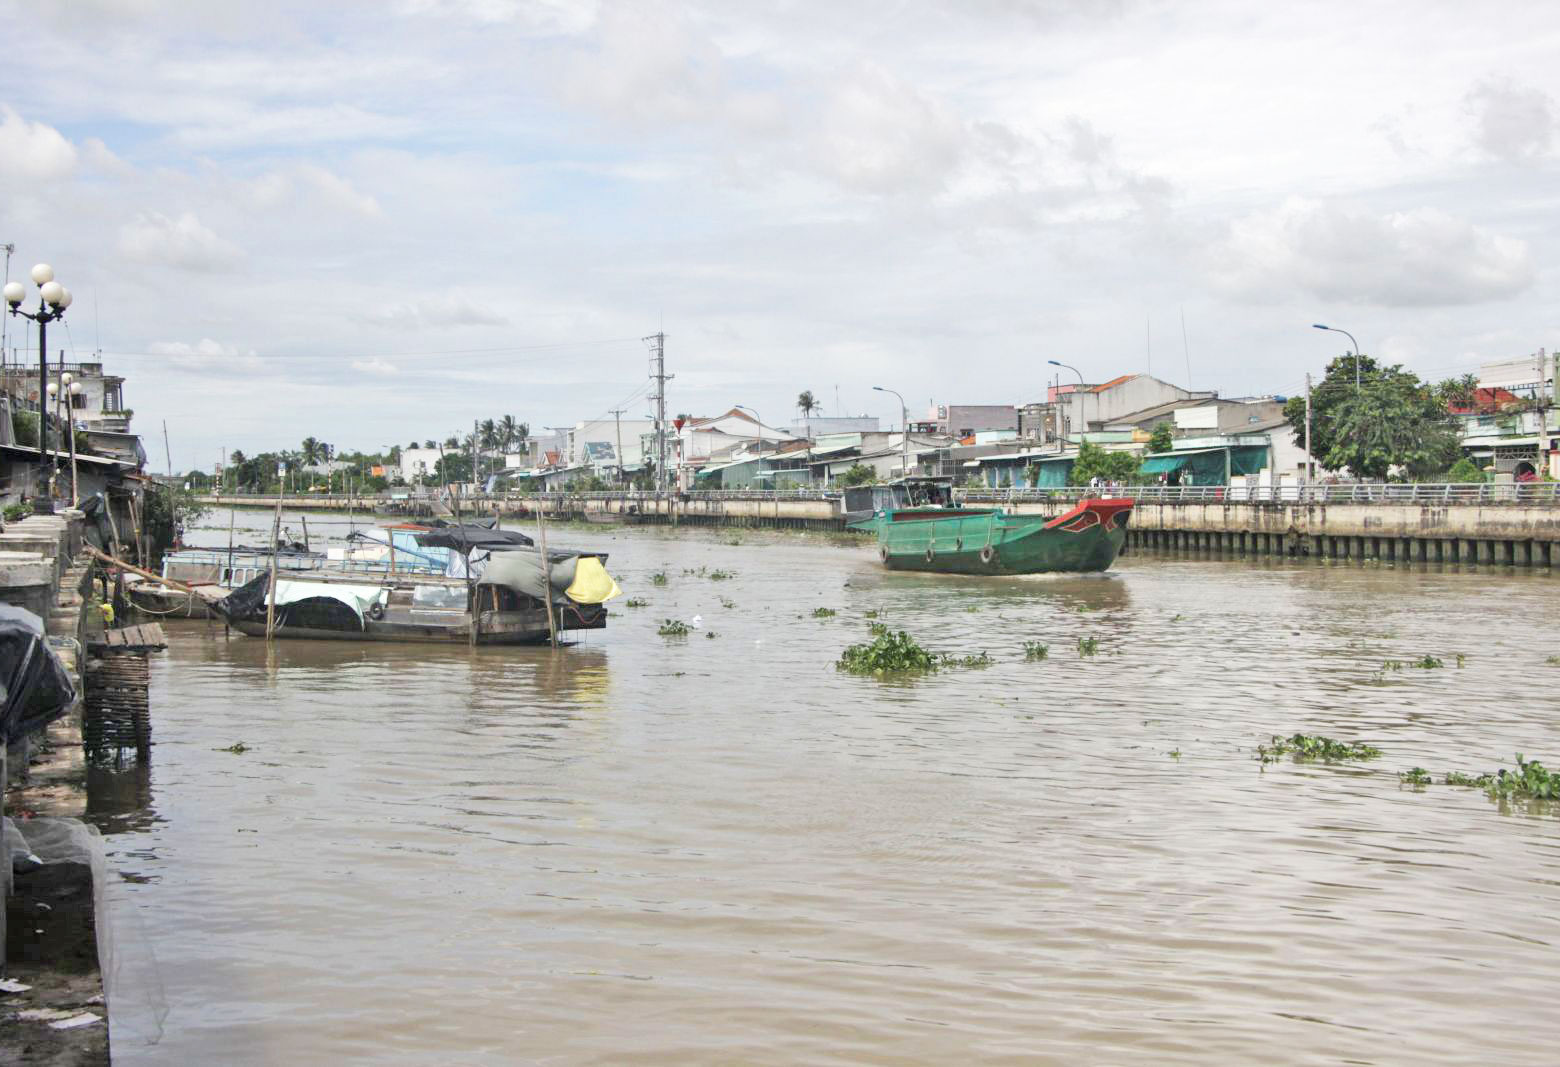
(248, 602)
(468, 537)
(37, 689)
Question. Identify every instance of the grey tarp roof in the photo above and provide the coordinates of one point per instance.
(521, 570)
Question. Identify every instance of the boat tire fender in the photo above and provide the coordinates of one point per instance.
(930, 555)
(376, 611)
(987, 555)
(883, 553)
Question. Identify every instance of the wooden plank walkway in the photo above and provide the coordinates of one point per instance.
(148, 637)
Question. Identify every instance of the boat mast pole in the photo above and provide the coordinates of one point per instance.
(541, 530)
(276, 532)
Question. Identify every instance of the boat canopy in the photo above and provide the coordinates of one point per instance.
(582, 579)
(467, 537)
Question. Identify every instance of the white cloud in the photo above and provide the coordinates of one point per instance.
(1329, 252)
(1513, 122)
(184, 242)
(279, 188)
(378, 366)
(205, 354)
(451, 309)
(32, 151)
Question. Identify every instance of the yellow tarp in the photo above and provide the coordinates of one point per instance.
(592, 583)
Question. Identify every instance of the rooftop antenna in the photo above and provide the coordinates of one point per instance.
(9, 250)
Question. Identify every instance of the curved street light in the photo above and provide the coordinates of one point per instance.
(1069, 366)
(1356, 344)
(53, 299)
(904, 422)
(750, 411)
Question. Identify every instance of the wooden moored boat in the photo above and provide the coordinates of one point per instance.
(991, 541)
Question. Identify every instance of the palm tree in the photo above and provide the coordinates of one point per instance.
(487, 433)
(506, 430)
(311, 450)
(806, 403)
(428, 444)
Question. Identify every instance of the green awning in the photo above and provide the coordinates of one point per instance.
(1165, 463)
(1208, 466)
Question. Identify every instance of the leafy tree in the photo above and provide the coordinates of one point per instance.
(1161, 439)
(310, 451)
(1392, 420)
(1326, 396)
(1458, 392)
(452, 467)
(858, 474)
(24, 428)
(1465, 470)
(1094, 462)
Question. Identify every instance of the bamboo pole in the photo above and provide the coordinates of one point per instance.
(270, 603)
(552, 626)
(104, 557)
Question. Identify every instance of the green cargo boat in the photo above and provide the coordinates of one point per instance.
(990, 541)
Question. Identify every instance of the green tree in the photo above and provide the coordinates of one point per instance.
(1326, 396)
(1094, 462)
(1161, 439)
(806, 403)
(1465, 470)
(1392, 420)
(1458, 392)
(858, 474)
(310, 451)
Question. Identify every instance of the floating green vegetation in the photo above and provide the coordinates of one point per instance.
(722, 576)
(1088, 646)
(1392, 665)
(658, 578)
(1553, 661)
(734, 540)
(975, 662)
(972, 609)
(1415, 776)
(727, 603)
(870, 613)
(1035, 650)
(1174, 754)
(238, 748)
(1308, 747)
(673, 628)
(710, 635)
(1177, 618)
(1461, 659)
(823, 613)
(1530, 781)
(636, 602)
(1426, 663)
(877, 629)
(888, 653)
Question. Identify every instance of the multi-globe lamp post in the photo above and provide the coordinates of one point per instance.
(53, 299)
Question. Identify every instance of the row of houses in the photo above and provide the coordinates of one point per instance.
(1213, 439)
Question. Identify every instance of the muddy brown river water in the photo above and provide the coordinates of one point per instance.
(720, 850)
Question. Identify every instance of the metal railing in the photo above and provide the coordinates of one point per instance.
(1539, 494)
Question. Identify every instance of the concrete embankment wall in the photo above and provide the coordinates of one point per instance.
(1515, 534)
(1510, 534)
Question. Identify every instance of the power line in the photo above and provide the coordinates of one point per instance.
(386, 355)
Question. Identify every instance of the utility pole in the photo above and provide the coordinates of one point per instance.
(1541, 465)
(657, 343)
(1310, 466)
(473, 457)
(617, 417)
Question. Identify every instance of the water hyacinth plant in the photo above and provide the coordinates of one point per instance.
(888, 653)
(658, 578)
(1308, 747)
(1035, 650)
(1088, 646)
(823, 613)
(636, 602)
(673, 628)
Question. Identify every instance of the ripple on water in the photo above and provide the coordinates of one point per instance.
(641, 850)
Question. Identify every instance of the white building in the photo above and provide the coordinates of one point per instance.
(595, 443)
(416, 462)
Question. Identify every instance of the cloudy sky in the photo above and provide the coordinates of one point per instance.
(373, 222)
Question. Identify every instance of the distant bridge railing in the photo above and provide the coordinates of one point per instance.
(1541, 494)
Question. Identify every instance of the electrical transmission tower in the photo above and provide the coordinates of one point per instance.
(657, 343)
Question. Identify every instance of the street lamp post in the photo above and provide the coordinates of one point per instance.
(1079, 373)
(53, 299)
(904, 422)
(1356, 344)
(75, 490)
(756, 418)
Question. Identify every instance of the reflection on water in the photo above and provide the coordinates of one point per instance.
(721, 850)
